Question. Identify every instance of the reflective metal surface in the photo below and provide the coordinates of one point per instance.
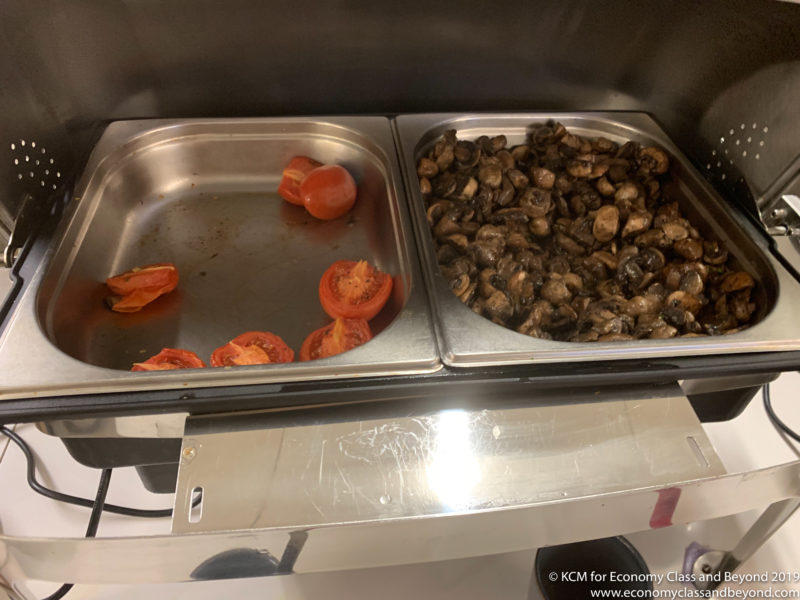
(256, 473)
(202, 194)
(174, 558)
(468, 340)
(149, 59)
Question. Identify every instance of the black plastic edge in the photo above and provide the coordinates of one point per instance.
(589, 376)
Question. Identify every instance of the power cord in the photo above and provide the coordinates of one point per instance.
(774, 418)
(91, 529)
(76, 500)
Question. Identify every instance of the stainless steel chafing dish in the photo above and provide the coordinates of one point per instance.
(202, 194)
(106, 104)
(467, 339)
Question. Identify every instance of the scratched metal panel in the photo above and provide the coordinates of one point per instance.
(450, 461)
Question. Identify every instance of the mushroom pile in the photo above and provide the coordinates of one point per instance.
(572, 239)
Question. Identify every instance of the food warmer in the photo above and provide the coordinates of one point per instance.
(139, 130)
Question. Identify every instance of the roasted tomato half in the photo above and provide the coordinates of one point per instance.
(340, 336)
(168, 359)
(289, 187)
(140, 286)
(328, 192)
(354, 290)
(252, 348)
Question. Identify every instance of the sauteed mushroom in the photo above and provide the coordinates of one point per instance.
(572, 239)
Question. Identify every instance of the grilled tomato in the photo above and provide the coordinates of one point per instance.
(289, 187)
(328, 192)
(169, 359)
(337, 337)
(252, 348)
(354, 290)
(140, 286)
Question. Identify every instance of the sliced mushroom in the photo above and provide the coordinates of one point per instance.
(506, 160)
(605, 188)
(570, 245)
(713, 253)
(539, 313)
(445, 158)
(598, 170)
(562, 320)
(684, 301)
(606, 223)
(740, 305)
(579, 168)
(736, 281)
(427, 168)
(540, 227)
(457, 240)
(520, 153)
(543, 178)
(608, 288)
(486, 252)
(654, 159)
(573, 282)
(498, 142)
(642, 305)
(654, 238)
(608, 259)
(719, 324)
(447, 225)
(692, 283)
(627, 192)
(460, 284)
(520, 287)
(489, 232)
(491, 175)
(504, 195)
(652, 259)
(517, 241)
(498, 307)
(465, 153)
(630, 274)
(689, 249)
(571, 141)
(555, 291)
(436, 210)
(468, 294)
(637, 222)
(425, 187)
(663, 332)
(468, 189)
(582, 230)
(535, 202)
(675, 231)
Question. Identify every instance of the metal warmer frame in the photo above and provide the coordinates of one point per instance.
(322, 489)
(727, 100)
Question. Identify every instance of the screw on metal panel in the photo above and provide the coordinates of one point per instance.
(706, 569)
(189, 453)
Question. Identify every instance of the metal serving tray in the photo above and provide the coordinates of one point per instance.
(466, 339)
(202, 194)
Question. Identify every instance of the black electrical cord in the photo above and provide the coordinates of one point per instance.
(774, 418)
(78, 501)
(91, 529)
